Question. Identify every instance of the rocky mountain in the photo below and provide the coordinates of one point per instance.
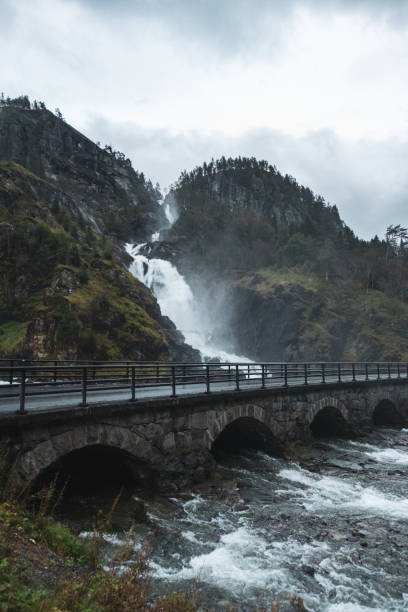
(273, 266)
(66, 205)
(283, 276)
(100, 182)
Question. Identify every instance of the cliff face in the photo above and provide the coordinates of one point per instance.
(286, 315)
(65, 207)
(104, 187)
(283, 276)
(63, 292)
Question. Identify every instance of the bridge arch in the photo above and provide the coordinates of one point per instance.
(46, 454)
(328, 417)
(247, 432)
(97, 468)
(243, 426)
(387, 412)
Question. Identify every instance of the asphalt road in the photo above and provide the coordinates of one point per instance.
(71, 396)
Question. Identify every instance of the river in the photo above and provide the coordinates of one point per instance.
(330, 528)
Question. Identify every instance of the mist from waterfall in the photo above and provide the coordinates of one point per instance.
(177, 302)
(176, 298)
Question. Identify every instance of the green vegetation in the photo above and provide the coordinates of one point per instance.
(252, 216)
(267, 280)
(44, 566)
(284, 250)
(376, 322)
(242, 215)
(12, 336)
(63, 290)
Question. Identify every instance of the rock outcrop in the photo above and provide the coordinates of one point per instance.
(284, 277)
(106, 190)
(66, 206)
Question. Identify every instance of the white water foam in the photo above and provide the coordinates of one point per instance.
(389, 455)
(240, 561)
(170, 216)
(351, 607)
(244, 561)
(177, 302)
(326, 492)
(382, 455)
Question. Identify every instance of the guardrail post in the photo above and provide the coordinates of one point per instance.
(84, 386)
(263, 376)
(285, 373)
(173, 380)
(127, 370)
(306, 374)
(378, 372)
(22, 409)
(133, 385)
(366, 371)
(55, 370)
(339, 371)
(353, 369)
(389, 371)
(323, 374)
(157, 374)
(11, 371)
(237, 376)
(398, 370)
(207, 378)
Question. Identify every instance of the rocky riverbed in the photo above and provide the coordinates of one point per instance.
(329, 527)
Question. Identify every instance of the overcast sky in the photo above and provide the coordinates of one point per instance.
(317, 87)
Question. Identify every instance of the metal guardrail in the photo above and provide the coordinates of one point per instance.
(26, 379)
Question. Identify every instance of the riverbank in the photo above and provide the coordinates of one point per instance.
(45, 566)
(323, 531)
(328, 529)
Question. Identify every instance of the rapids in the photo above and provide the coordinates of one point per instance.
(330, 528)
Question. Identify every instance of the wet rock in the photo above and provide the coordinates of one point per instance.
(139, 512)
(224, 603)
(309, 570)
(338, 535)
(355, 467)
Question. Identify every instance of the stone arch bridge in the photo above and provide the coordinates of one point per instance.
(171, 439)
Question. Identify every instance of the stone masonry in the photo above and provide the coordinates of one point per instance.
(173, 437)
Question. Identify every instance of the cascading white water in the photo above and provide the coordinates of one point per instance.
(176, 301)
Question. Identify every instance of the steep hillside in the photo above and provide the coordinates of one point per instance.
(65, 207)
(285, 278)
(250, 215)
(101, 182)
(63, 293)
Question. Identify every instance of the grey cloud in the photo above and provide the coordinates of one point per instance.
(365, 179)
(229, 21)
(230, 25)
(7, 15)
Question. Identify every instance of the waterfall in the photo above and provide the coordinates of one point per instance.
(177, 301)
